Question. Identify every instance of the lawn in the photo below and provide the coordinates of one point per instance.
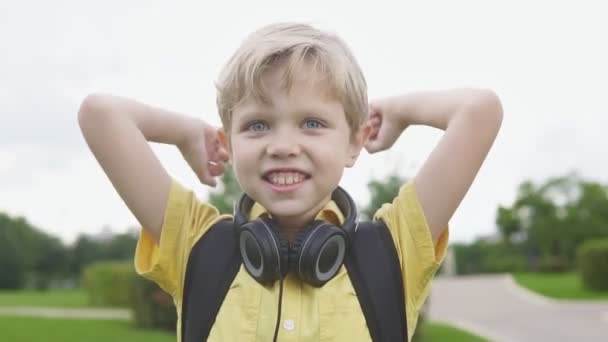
(65, 330)
(558, 285)
(53, 298)
(20, 329)
(441, 332)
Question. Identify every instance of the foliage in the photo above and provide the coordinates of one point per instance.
(108, 283)
(151, 306)
(488, 257)
(229, 192)
(381, 192)
(12, 270)
(593, 264)
(28, 253)
(550, 220)
(87, 250)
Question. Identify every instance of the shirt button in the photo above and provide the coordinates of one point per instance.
(289, 324)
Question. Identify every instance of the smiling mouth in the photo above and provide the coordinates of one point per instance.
(282, 178)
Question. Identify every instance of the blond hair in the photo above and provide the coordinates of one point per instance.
(290, 46)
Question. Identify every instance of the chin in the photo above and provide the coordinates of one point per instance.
(287, 209)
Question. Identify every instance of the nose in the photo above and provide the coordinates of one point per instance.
(283, 145)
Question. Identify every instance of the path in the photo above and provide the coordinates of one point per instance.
(500, 310)
(65, 312)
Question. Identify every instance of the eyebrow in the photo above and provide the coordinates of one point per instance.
(251, 111)
(249, 114)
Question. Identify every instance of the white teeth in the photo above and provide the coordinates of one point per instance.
(285, 178)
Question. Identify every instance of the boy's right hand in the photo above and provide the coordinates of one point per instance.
(204, 152)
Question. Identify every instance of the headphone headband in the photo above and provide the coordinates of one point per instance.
(345, 203)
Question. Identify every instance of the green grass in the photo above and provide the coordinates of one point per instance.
(52, 298)
(442, 332)
(558, 286)
(20, 329)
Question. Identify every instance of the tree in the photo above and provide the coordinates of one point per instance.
(41, 256)
(87, 250)
(84, 252)
(228, 194)
(381, 193)
(12, 264)
(52, 262)
(550, 220)
(119, 247)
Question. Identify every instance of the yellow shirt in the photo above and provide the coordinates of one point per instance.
(328, 313)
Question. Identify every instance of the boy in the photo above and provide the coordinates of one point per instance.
(294, 110)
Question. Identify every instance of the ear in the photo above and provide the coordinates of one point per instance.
(357, 142)
(224, 140)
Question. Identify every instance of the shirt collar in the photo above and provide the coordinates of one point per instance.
(330, 213)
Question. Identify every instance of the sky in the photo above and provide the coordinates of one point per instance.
(546, 61)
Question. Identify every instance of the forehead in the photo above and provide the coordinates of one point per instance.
(302, 78)
(302, 89)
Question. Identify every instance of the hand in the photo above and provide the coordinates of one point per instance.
(204, 153)
(386, 125)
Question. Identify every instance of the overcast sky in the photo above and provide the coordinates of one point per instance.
(547, 62)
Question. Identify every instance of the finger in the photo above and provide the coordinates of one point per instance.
(215, 168)
(374, 143)
(223, 155)
(373, 134)
(217, 153)
(373, 146)
(375, 120)
(206, 178)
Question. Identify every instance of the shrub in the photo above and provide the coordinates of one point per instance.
(108, 283)
(488, 257)
(152, 307)
(554, 264)
(592, 257)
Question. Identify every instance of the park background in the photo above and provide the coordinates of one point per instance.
(540, 195)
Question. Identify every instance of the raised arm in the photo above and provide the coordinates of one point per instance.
(117, 130)
(471, 119)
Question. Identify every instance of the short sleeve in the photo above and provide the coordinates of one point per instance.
(419, 257)
(186, 219)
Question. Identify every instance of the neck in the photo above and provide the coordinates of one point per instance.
(291, 225)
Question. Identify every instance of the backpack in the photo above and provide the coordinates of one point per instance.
(372, 265)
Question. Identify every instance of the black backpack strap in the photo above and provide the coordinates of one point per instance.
(213, 263)
(373, 267)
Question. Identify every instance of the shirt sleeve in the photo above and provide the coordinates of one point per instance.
(418, 256)
(186, 219)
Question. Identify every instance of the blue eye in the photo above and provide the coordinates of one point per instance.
(312, 124)
(257, 126)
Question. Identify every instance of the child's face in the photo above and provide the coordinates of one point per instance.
(289, 155)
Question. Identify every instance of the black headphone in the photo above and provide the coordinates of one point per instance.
(316, 255)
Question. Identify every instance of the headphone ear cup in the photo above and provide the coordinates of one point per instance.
(263, 252)
(318, 252)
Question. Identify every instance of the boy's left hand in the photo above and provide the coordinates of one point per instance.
(386, 125)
